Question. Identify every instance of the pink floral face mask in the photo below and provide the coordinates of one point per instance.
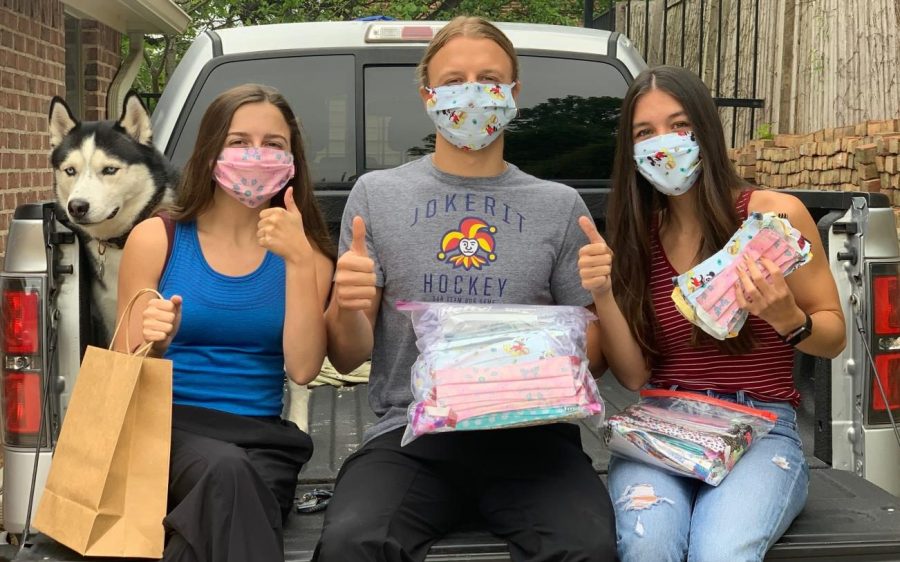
(253, 175)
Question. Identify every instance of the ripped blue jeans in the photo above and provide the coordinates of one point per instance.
(663, 517)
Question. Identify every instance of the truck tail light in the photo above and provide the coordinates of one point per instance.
(885, 343)
(888, 366)
(886, 295)
(20, 322)
(22, 366)
(22, 402)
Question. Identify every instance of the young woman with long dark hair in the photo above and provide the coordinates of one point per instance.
(661, 224)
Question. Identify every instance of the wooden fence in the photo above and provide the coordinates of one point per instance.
(815, 63)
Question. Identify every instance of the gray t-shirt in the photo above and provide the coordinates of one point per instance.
(437, 237)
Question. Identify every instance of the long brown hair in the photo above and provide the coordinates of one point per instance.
(466, 26)
(635, 206)
(195, 193)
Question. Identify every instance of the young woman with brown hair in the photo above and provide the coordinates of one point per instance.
(245, 269)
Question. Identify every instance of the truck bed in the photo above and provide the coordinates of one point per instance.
(846, 518)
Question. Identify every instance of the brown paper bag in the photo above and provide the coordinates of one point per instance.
(108, 483)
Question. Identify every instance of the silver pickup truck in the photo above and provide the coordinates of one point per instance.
(352, 85)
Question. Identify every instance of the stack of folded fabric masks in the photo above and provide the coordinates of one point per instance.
(492, 366)
(705, 295)
(686, 433)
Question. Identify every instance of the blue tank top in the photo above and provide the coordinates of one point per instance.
(227, 354)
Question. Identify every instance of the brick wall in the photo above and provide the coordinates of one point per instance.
(32, 65)
(101, 57)
(32, 71)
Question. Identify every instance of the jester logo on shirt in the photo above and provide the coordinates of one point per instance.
(471, 246)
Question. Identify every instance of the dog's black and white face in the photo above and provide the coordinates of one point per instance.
(107, 172)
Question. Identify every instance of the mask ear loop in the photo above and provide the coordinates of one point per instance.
(512, 86)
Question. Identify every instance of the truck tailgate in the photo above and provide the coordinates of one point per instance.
(846, 517)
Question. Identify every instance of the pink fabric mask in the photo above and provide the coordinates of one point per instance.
(545, 383)
(709, 300)
(253, 175)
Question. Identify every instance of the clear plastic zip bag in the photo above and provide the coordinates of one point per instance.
(490, 366)
(687, 433)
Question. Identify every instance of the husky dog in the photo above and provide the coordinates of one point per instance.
(108, 178)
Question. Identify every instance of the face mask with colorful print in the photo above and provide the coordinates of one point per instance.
(253, 175)
(671, 162)
(706, 294)
(471, 116)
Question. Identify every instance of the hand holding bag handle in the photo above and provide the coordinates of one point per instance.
(143, 350)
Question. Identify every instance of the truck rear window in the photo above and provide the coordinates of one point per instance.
(565, 129)
(320, 89)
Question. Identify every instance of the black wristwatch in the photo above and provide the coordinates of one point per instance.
(796, 336)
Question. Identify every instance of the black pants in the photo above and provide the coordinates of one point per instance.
(232, 481)
(532, 486)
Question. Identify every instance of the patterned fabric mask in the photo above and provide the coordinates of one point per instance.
(706, 294)
(253, 175)
(671, 162)
(471, 116)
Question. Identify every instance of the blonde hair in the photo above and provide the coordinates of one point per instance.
(466, 26)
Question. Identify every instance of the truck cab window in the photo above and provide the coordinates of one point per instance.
(395, 117)
(319, 88)
(566, 118)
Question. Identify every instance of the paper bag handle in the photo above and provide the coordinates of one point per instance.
(126, 317)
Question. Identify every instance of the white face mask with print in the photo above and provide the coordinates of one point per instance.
(471, 116)
(670, 162)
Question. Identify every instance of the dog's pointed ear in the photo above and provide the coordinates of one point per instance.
(61, 120)
(136, 119)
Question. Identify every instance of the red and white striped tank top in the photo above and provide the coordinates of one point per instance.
(764, 374)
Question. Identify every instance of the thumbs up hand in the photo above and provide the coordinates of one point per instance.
(594, 260)
(281, 231)
(358, 246)
(354, 277)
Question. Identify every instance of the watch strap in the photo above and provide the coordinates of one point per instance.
(798, 335)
